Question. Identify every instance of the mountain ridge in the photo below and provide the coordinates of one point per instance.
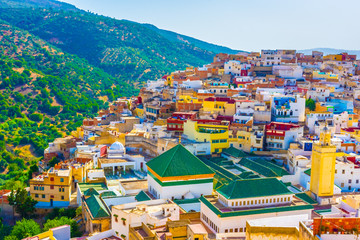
(327, 51)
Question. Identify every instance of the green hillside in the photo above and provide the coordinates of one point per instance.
(126, 50)
(44, 93)
(37, 3)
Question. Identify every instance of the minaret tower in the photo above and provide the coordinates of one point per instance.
(323, 160)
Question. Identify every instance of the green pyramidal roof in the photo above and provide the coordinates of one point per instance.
(258, 187)
(96, 207)
(91, 191)
(178, 161)
(232, 151)
(142, 196)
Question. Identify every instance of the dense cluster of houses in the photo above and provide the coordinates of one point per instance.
(251, 146)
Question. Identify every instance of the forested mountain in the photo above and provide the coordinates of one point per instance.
(59, 64)
(44, 93)
(37, 4)
(127, 50)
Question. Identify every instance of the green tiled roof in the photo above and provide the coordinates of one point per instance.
(177, 183)
(248, 175)
(234, 152)
(308, 172)
(96, 207)
(248, 188)
(275, 168)
(220, 170)
(303, 196)
(97, 186)
(253, 211)
(178, 161)
(186, 201)
(91, 191)
(108, 194)
(142, 196)
(257, 167)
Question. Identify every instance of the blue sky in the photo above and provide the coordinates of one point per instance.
(245, 24)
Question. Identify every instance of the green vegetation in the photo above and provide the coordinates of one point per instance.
(57, 222)
(127, 50)
(22, 202)
(37, 3)
(310, 103)
(44, 94)
(23, 229)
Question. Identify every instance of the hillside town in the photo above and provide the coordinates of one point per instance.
(260, 145)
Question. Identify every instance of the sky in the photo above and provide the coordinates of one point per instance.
(249, 25)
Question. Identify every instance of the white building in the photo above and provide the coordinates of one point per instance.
(314, 117)
(270, 57)
(154, 212)
(288, 71)
(244, 200)
(318, 94)
(234, 67)
(288, 109)
(178, 174)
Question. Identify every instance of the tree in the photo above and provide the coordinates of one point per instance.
(56, 222)
(53, 162)
(310, 103)
(22, 202)
(25, 228)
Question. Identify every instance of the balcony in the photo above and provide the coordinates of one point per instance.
(211, 131)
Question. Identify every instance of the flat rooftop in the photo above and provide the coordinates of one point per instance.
(218, 208)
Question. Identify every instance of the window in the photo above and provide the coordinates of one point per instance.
(61, 179)
(36, 195)
(43, 196)
(62, 197)
(226, 230)
(343, 171)
(335, 171)
(59, 189)
(349, 180)
(51, 179)
(52, 187)
(357, 180)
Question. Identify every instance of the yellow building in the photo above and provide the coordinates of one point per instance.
(325, 75)
(243, 141)
(333, 57)
(222, 106)
(213, 131)
(170, 79)
(78, 133)
(61, 232)
(107, 137)
(187, 99)
(323, 167)
(52, 189)
(95, 214)
(139, 112)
